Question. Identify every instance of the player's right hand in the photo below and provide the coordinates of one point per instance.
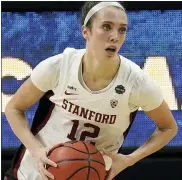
(40, 156)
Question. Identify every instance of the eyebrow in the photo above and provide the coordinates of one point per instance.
(110, 22)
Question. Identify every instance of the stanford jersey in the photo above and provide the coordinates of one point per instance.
(70, 111)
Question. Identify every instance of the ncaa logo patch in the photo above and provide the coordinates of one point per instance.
(113, 103)
(120, 89)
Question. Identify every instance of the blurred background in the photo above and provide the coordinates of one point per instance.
(34, 31)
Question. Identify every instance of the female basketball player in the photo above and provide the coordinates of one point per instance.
(94, 90)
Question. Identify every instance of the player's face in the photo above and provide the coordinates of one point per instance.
(108, 32)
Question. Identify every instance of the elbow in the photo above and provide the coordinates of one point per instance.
(175, 129)
(171, 130)
(7, 109)
(10, 111)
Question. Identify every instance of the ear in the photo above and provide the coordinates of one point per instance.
(85, 32)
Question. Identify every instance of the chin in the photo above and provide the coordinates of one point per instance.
(111, 55)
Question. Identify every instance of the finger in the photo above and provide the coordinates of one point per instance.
(108, 162)
(47, 173)
(49, 162)
(43, 176)
(44, 171)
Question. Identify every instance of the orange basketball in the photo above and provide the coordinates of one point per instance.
(77, 160)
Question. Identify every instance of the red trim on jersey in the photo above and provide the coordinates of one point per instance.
(44, 122)
(132, 117)
(37, 129)
(17, 165)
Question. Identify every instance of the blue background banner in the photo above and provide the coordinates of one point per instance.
(29, 37)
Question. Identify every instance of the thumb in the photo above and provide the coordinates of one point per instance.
(108, 162)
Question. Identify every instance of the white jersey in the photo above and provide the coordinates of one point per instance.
(76, 113)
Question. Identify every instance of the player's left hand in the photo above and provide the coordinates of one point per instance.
(119, 163)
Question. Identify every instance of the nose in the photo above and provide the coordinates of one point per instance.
(114, 38)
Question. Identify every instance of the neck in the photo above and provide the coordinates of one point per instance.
(99, 69)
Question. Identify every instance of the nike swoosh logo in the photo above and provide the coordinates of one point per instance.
(69, 93)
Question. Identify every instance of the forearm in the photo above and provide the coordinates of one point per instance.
(158, 140)
(20, 127)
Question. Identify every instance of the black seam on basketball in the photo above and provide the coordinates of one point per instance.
(79, 150)
(98, 162)
(84, 168)
(54, 149)
(77, 171)
(59, 162)
(59, 145)
(96, 172)
(88, 160)
(66, 160)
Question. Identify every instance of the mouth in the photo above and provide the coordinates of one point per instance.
(111, 50)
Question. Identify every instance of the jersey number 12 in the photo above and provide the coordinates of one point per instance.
(84, 134)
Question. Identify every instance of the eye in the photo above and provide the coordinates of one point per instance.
(122, 30)
(106, 27)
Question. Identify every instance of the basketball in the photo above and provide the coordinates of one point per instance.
(77, 160)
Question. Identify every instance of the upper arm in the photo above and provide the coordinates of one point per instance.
(27, 95)
(163, 117)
